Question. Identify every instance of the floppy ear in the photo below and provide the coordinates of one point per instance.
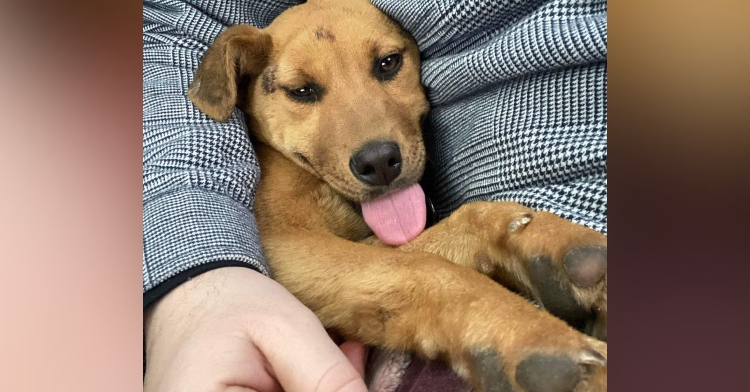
(238, 52)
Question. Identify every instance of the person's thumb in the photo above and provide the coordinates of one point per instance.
(356, 353)
(305, 359)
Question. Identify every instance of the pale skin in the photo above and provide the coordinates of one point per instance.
(234, 330)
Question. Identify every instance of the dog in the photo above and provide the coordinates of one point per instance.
(332, 95)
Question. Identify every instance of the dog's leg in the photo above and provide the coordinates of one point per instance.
(420, 302)
(561, 265)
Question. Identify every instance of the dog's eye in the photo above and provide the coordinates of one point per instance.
(305, 93)
(388, 66)
(390, 63)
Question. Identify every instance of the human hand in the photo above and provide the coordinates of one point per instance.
(233, 329)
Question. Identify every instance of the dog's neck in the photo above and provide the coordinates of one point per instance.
(286, 188)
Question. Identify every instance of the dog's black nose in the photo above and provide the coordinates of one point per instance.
(376, 163)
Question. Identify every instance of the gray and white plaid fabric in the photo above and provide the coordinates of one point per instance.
(518, 91)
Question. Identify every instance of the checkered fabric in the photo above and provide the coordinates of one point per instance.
(518, 90)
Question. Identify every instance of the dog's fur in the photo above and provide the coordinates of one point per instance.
(438, 295)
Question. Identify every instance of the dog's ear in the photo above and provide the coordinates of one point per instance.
(240, 51)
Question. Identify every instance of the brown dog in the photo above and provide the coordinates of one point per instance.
(331, 90)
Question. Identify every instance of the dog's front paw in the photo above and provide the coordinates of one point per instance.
(540, 369)
(564, 267)
(508, 345)
(573, 288)
(560, 265)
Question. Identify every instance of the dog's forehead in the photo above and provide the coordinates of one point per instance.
(321, 48)
(344, 25)
(334, 43)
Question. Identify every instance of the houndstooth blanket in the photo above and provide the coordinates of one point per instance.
(518, 90)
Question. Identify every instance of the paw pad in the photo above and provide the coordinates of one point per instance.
(554, 294)
(586, 265)
(489, 366)
(546, 373)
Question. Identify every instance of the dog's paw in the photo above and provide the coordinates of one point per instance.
(582, 369)
(559, 265)
(574, 288)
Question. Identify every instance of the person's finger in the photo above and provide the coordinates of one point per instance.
(234, 388)
(233, 362)
(305, 359)
(356, 353)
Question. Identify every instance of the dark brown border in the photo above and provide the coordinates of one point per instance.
(679, 127)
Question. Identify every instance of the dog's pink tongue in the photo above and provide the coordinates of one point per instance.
(398, 217)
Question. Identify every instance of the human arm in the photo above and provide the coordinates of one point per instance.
(233, 329)
(199, 176)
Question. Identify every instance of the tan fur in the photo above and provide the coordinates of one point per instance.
(421, 297)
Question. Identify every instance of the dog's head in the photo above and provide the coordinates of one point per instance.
(333, 85)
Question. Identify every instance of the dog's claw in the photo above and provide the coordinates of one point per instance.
(591, 357)
(519, 223)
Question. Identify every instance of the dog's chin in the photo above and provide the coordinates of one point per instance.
(356, 192)
(372, 193)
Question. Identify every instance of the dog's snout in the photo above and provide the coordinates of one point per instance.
(377, 163)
